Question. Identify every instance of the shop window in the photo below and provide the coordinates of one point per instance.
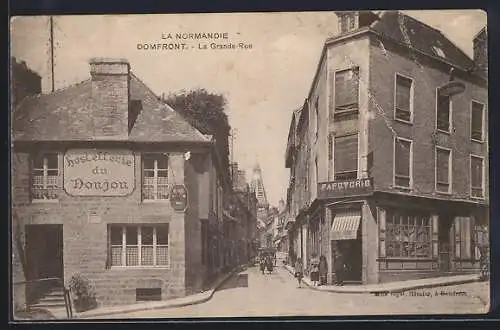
(477, 180)
(408, 235)
(403, 107)
(155, 177)
(346, 92)
(443, 112)
(132, 246)
(477, 121)
(346, 157)
(403, 162)
(44, 176)
(443, 170)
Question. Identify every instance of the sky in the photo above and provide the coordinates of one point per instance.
(262, 84)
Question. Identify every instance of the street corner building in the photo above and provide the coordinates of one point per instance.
(388, 155)
(110, 183)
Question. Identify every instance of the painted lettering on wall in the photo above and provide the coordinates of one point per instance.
(344, 188)
(89, 172)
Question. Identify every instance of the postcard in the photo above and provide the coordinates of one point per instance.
(273, 164)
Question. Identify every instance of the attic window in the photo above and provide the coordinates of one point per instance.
(438, 51)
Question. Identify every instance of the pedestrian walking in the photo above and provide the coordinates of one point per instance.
(262, 263)
(323, 270)
(314, 270)
(299, 271)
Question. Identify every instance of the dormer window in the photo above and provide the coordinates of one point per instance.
(438, 51)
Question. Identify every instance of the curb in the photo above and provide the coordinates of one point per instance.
(168, 304)
(395, 290)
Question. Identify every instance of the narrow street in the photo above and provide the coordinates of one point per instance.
(251, 294)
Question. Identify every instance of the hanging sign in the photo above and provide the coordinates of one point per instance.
(179, 198)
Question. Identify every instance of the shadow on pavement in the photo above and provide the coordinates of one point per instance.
(237, 281)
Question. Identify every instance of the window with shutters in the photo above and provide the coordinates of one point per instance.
(44, 176)
(408, 234)
(403, 155)
(346, 92)
(136, 246)
(443, 170)
(403, 99)
(476, 175)
(346, 157)
(443, 112)
(477, 121)
(155, 177)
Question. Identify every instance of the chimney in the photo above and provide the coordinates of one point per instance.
(110, 95)
(480, 50)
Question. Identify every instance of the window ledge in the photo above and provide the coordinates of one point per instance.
(443, 131)
(44, 201)
(445, 193)
(402, 121)
(405, 189)
(477, 141)
(477, 198)
(155, 201)
(137, 267)
(428, 259)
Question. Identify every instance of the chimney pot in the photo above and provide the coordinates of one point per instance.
(109, 66)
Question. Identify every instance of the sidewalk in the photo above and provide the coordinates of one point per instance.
(172, 303)
(399, 286)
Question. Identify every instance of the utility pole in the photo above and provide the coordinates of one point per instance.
(52, 51)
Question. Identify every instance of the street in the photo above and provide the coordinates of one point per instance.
(251, 294)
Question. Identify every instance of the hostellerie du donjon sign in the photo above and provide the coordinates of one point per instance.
(90, 172)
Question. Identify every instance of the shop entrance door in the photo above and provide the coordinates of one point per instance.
(444, 233)
(351, 250)
(44, 258)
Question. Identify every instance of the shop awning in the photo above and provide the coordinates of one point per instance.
(345, 226)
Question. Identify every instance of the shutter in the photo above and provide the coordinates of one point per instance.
(346, 153)
(382, 215)
(442, 164)
(402, 155)
(435, 235)
(403, 93)
(456, 225)
(346, 88)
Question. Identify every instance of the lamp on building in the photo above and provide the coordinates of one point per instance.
(452, 87)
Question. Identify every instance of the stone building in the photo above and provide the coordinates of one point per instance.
(395, 141)
(112, 184)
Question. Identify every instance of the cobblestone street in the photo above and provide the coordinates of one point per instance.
(250, 293)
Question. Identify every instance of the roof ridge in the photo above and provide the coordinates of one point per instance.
(166, 106)
(65, 88)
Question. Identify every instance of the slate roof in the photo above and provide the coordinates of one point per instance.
(421, 36)
(65, 115)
